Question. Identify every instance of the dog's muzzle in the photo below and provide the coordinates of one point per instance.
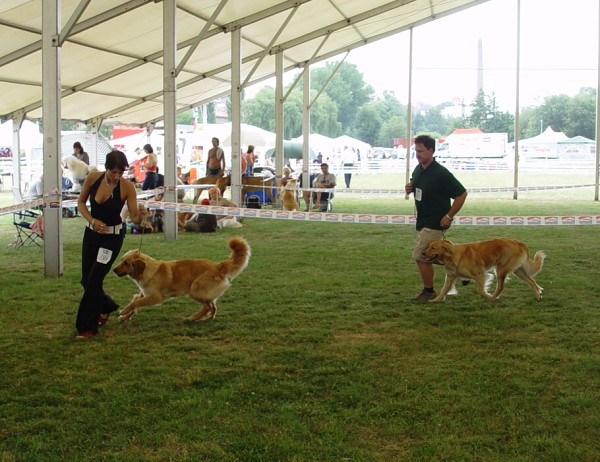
(435, 258)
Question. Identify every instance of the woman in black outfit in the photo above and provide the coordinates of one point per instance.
(103, 238)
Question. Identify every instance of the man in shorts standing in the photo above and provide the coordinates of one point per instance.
(433, 187)
(215, 164)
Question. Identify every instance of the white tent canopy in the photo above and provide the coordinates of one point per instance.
(341, 141)
(319, 143)
(249, 134)
(542, 146)
(30, 135)
(112, 51)
(547, 136)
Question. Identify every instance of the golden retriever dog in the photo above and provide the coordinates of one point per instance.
(473, 260)
(289, 195)
(259, 183)
(201, 279)
(220, 182)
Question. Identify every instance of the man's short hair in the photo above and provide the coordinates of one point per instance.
(324, 165)
(426, 141)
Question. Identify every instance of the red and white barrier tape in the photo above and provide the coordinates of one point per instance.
(329, 217)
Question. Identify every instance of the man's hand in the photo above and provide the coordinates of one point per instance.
(446, 222)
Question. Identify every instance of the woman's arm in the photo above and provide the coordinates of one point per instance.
(136, 211)
(85, 194)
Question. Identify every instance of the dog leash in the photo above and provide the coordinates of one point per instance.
(142, 239)
(142, 236)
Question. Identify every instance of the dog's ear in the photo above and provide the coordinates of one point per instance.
(139, 265)
(447, 246)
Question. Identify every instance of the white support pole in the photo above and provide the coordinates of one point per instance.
(17, 122)
(94, 154)
(596, 174)
(279, 113)
(306, 125)
(170, 126)
(236, 116)
(517, 103)
(409, 109)
(53, 251)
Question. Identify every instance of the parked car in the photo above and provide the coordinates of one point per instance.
(387, 153)
(5, 152)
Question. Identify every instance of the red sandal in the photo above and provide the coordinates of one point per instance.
(85, 335)
(103, 319)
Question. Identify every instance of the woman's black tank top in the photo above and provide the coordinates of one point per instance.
(108, 212)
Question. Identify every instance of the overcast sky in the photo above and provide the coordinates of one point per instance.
(559, 53)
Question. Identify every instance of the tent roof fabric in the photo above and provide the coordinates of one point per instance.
(548, 136)
(577, 140)
(112, 50)
(466, 131)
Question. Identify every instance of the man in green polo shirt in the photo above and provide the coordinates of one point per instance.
(433, 187)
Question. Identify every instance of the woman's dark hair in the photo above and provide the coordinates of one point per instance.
(116, 159)
(147, 148)
(76, 145)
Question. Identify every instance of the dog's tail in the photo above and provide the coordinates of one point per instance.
(238, 260)
(532, 267)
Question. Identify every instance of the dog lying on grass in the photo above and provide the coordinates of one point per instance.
(473, 260)
(201, 279)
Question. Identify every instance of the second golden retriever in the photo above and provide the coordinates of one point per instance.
(289, 195)
(473, 260)
(203, 280)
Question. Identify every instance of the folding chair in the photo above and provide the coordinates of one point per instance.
(28, 226)
(326, 202)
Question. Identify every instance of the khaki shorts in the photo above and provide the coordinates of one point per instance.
(425, 237)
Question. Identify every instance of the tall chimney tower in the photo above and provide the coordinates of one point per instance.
(479, 66)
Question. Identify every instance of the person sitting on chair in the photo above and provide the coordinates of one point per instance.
(323, 180)
(36, 188)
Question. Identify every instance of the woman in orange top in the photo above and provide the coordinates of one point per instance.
(151, 168)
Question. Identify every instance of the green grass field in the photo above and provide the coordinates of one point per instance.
(317, 352)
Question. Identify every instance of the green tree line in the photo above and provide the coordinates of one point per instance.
(349, 105)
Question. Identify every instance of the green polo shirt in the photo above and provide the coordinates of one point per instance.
(434, 186)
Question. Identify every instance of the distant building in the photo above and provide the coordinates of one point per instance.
(457, 109)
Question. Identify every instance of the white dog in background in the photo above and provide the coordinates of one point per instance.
(78, 170)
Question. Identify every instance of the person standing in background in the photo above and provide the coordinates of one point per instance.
(250, 159)
(215, 164)
(79, 153)
(151, 169)
(348, 159)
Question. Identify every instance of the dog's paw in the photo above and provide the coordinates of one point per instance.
(126, 317)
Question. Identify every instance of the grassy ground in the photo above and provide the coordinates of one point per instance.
(317, 352)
